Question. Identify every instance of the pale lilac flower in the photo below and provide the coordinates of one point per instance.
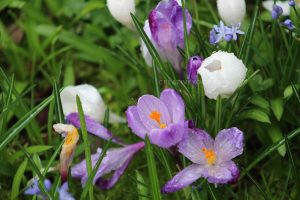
(162, 119)
(289, 24)
(212, 159)
(93, 127)
(35, 190)
(235, 30)
(276, 11)
(167, 30)
(116, 160)
(220, 32)
(193, 65)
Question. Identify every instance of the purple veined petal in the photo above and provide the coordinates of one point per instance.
(106, 184)
(116, 159)
(222, 173)
(178, 21)
(174, 104)
(135, 123)
(192, 144)
(169, 136)
(228, 144)
(184, 178)
(148, 104)
(63, 192)
(93, 127)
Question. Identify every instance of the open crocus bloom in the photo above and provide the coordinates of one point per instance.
(222, 73)
(162, 119)
(211, 159)
(116, 159)
(166, 31)
(66, 155)
(93, 127)
(92, 103)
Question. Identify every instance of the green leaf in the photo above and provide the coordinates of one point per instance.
(155, 190)
(17, 180)
(31, 149)
(86, 143)
(276, 135)
(260, 101)
(142, 190)
(277, 108)
(58, 106)
(17, 127)
(256, 114)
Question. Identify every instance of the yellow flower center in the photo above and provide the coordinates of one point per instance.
(72, 137)
(210, 156)
(154, 115)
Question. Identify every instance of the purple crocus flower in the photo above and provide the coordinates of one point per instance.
(193, 65)
(289, 24)
(212, 159)
(116, 159)
(292, 3)
(93, 127)
(235, 30)
(276, 11)
(162, 119)
(167, 30)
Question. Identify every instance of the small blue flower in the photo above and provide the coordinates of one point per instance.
(34, 189)
(276, 11)
(213, 36)
(292, 3)
(219, 32)
(235, 30)
(289, 24)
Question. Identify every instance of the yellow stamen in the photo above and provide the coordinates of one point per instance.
(154, 115)
(210, 156)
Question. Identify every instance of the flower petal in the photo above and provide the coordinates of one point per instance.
(229, 144)
(93, 127)
(64, 194)
(192, 144)
(184, 178)
(174, 104)
(148, 104)
(135, 123)
(168, 136)
(222, 173)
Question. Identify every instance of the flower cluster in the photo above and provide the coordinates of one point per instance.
(224, 32)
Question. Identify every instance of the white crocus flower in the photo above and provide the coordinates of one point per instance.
(222, 73)
(121, 9)
(268, 5)
(92, 103)
(232, 11)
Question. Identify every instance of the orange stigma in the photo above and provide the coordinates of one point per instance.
(210, 156)
(154, 115)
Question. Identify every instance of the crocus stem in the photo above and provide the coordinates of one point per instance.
(152, 171)
(218, 114)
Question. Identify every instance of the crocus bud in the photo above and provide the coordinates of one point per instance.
(121, 9)
(292, 3)
(192, 68)
(67, 152)
(268, 5)
(276, 11)
(232, 11)
(222, 73)
(289, 24)
(167, 30)
(92, 103)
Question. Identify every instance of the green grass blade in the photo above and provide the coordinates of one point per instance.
(155, 190)
(86, 143)
(261, 190)
(17, 127)
(15, 189)
(58, 105)
(89, 182)
(270, 150)
(37, 171)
